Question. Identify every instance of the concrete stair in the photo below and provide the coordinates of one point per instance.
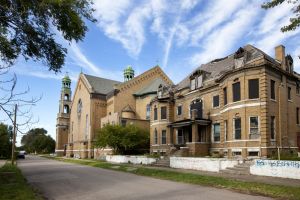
(163, 162)
(240, 169)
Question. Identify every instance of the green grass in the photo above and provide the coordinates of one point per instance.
(13, 185)
(275, 191)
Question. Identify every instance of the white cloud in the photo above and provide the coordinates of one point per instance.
(224, 38)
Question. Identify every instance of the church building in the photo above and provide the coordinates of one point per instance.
(98, 101)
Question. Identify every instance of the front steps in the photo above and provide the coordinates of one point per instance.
(240, 169)
(163, 162)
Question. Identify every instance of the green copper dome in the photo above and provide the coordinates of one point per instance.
(66, 82)
(128, 73)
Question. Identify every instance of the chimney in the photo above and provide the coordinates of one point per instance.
(280, 55)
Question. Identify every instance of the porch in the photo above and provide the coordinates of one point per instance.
(192, 136)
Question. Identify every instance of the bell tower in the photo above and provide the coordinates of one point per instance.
(128, 73)
(63, 117)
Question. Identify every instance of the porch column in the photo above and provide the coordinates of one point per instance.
(194, 132)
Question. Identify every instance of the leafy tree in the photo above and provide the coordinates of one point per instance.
(5, 141)
(294, 21)
(123, 140)
(37, 141)
(27, 28)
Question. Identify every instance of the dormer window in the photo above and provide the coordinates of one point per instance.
(160, 91)
(196, 80)
(199, 81)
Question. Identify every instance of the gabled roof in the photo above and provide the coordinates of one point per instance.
(100, 85)
(128, 109)
(151, 88)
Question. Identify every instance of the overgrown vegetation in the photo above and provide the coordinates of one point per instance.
(276, 191)
(37, 141)
(13, 185)
(126, 140)
(5, 141)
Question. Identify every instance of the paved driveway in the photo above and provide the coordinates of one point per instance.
(59, 180)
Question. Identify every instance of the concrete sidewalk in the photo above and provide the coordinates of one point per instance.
(246, 178)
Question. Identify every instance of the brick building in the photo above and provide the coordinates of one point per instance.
(243, 105)
(98, 101)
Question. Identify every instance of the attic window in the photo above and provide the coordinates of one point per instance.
(193, 84)
(199, 81)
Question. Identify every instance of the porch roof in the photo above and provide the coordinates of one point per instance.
(187, 122)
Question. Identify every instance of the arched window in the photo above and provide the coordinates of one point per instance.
(79, 106)
(66, 109)
(66, 97)
(148, 111)
(196, 105)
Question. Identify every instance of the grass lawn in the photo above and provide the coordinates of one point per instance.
(281, 192)
(13, 186)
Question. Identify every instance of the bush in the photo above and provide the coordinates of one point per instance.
(126, 140)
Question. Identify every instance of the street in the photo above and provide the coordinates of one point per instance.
(60, 180)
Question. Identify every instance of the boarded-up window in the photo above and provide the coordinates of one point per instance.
(289, 93)
(225, 95)
(163, 112)
(272, 89)
(237, 128)
(196, 105)
(216, 101)
(216, 128)
(273, 127)
(199, 81)
(236, 92)
(163, 137)
(253, 86)
(193, 84)
(155, 113)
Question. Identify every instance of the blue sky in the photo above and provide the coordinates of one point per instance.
(177, 35)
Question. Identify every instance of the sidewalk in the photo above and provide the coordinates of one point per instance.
(246, 178)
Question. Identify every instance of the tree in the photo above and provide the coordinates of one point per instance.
(123, 140)
(36, 141)
(294, 21)
(27, 28)
(5, 141)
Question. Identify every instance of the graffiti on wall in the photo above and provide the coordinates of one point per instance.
(278, 163)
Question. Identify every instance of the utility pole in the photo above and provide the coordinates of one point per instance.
(14, 136)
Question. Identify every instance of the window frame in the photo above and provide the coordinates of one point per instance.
(177, 110)
(272, 90)
(193, 86)
(214, 131)
(273, 127)
(148, 111)
(256, 95)
(297, 115)
(239, 92)
(225, 96)
(201, 82)
(182, 136)
(161, 113)
(225, 130)
(258, 125)
(163, 136)
(155, 136)
(235, 130)
(155, 113)
(213, 101)
(289, 93)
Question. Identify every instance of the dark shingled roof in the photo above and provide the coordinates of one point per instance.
(101, 85)
(151, 88)
(218, 67)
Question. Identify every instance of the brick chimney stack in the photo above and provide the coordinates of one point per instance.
(280, 55)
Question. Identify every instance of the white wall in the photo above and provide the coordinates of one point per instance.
(203, 164)
(132, 159)
(276, 168)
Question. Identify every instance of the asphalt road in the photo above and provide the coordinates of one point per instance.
(59, 180)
